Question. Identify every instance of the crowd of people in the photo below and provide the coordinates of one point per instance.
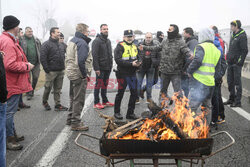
(193, 64)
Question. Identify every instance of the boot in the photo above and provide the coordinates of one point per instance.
(79, 127)
(18, 138)
(11, 144)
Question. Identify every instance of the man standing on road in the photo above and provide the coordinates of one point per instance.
(202, 71)
(126, 58)
(17, 70)
(173, 55)
(149, 63)
(77, 54)
(235, 59)
(3, 105)
(31, 47)
(102, 64)
(191, 43)
(52, 58)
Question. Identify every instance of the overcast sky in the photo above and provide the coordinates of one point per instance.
(146, 15)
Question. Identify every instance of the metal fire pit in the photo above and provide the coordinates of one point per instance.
(117, 146)
(186, 150)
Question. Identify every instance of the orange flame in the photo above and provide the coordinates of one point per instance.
(194, 126)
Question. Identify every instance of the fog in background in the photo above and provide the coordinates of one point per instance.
(144, 15)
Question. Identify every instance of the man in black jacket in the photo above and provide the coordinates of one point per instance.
(3, 105)
(191, 42)
(52, 58)
(150, 62)
(235, 58)
(102, 64)
(126, 58)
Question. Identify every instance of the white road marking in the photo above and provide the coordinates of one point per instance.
(239, 110)
(57, 146)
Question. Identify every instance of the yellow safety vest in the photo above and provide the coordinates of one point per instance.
(205, 74)
(130, 51)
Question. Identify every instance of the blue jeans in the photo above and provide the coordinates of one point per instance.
(200, 95)
(3, 134)
(149, 82)
(12, 104)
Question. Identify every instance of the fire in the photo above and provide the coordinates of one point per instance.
(173, 122)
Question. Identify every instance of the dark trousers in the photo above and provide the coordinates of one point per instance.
(234, 83)
(123, 81)
(101, 83)
(217, 104)
(165, 81)
(34, 74)
(185, 84)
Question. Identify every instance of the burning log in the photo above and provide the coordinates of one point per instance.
(173, 126)
(125, 128)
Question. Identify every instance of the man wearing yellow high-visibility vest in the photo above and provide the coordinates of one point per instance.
(126, 58)
(202, 72)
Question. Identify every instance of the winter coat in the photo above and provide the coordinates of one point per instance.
(23, 44)
(16, 66)
(52, 55)
(173, 54)
(149, 58)
(237, 48)
(191, 44)
(102, 53)
(124, 66)
(3, 88)
(76, 56)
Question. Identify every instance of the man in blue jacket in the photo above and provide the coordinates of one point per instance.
(77, 53)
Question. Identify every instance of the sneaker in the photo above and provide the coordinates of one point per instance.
(98, 106)
(23, 105)
(79, 127)
(46, 106)
(59, 107)
(132, 116)
(213, 125)
(228, 102)
(118, 116)
(220, 121)
(137, 101)
(108, 104)
(235, 105)
(149, 101)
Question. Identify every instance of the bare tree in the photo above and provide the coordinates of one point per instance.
(44, 14)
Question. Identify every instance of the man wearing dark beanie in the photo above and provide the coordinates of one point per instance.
(235, 58)
(17, 70)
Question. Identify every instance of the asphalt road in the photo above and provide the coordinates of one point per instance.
(49, 142)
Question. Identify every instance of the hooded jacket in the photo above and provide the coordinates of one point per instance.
(238, 48)
(102, 53)
(16, 66)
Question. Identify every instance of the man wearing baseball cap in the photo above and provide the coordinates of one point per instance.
(17, 76)
(126, 58)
